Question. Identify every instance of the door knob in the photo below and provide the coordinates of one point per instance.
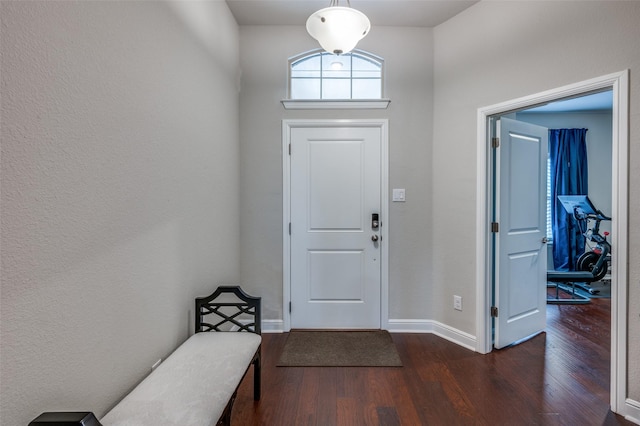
(374, 238)
(544, 240)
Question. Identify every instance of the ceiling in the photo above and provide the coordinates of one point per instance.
(400, 13)
(397, 13)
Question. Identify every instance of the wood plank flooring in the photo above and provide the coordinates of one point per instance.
(560, 377)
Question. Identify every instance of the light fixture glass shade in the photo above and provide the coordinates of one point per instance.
(338, 29)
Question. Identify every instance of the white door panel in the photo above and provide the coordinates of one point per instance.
(336, 275)
(335, 179)
(335, 188)
(521, 253)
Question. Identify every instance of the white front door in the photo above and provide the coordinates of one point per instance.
(335, 189)
(520, 243)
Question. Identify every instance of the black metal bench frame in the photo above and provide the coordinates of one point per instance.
(245, 306)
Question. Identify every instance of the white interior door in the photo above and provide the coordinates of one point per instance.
(335, 187)
(520, 243)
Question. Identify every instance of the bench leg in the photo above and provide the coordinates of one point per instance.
(256, 375)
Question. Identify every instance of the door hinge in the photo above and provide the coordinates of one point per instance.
(495, 227)
(495, 142)
(289, 149)
(289, 228)
(494, 311)
(289, 307)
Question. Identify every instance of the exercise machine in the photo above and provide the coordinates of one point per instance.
(593, 264)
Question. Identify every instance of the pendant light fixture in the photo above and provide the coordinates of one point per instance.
(338, 29)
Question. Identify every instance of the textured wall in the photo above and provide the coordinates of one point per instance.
(119, 192)
(408, 65)
(497, 51)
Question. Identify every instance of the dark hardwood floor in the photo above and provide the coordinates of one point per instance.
(560, 377)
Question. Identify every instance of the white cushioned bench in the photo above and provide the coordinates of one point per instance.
(192, 386)
(197, 384)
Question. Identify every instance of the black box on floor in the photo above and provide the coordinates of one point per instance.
(65, 419)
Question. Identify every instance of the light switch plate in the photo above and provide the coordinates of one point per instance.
(399, 195)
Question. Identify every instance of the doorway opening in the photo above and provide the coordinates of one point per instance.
(583, 130)
(618, 84)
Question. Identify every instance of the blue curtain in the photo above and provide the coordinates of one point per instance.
(568, 163)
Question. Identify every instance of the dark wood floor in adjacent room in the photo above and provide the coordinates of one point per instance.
(560, 377)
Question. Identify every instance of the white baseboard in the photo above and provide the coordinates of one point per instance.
(272, 326)
(402, 326)
(451, 334)
(632, 411)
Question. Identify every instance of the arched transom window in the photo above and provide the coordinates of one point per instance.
(321, 75)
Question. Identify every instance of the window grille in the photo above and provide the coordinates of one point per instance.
(319, 75)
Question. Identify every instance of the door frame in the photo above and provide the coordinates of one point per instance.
(619, 84)
(383, 125)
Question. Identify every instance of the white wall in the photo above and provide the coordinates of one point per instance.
(408, 63)
(119, 192)
(498, 51)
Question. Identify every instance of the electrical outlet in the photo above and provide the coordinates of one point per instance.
(457, 303)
